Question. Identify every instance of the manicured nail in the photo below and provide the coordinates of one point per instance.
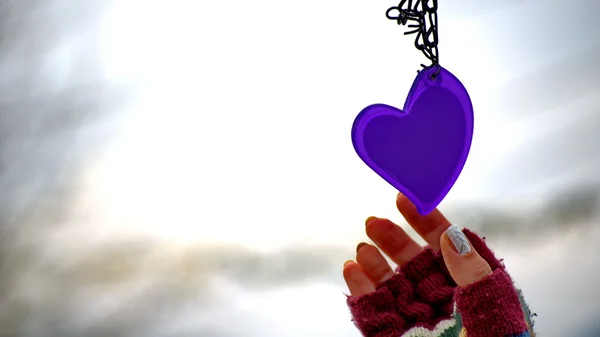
(369, 219)
(360, 245)
(459, 240)
(347, 262)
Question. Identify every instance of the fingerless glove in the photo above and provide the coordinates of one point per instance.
(422, 300)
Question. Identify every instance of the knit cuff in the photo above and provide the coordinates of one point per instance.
(491, 307)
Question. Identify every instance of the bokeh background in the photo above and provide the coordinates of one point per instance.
(184, 168)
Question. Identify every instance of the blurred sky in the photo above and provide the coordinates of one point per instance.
(185, 168)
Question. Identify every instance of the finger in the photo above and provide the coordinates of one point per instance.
(464, 263)
(430, 227)
(357, 281)
(392, 240)
(373, 263)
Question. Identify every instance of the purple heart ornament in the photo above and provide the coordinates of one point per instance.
(421, 149)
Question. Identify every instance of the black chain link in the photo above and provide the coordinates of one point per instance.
(421, 17)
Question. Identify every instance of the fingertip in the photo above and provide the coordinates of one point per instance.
(349, 269)
(456, 242)
(463, 262)
(379, 228)
(406, 207)
(446, 246)
(357, 281)
(369, 219)
(393, 240)
(402, 200)
(360, 245)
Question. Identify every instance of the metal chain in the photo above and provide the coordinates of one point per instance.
(421, 17)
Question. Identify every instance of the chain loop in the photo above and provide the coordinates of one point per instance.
(421, 17)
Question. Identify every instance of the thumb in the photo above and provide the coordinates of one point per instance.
(465, 265)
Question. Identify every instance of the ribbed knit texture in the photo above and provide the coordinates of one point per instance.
(420, 300)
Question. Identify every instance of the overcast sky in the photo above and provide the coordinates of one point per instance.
(185, 168)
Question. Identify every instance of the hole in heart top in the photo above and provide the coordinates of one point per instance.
(422, 150)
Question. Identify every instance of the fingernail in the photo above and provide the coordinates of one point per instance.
(347, 262)
(459, 240)
(359, 246)
(369, 219)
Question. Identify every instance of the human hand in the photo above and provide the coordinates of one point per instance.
(453, 287)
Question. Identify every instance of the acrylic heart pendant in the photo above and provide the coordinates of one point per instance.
(421, 149)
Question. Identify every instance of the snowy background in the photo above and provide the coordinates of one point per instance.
(184, 168)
